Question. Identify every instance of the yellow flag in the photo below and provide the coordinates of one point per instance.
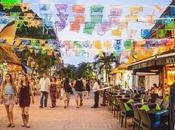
(131, 18)
(107, 44)
(117, 32)
(159, 8)
(97, 44)
(136, 9)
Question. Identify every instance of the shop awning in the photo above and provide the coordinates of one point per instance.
(143, 63)
(8, 31)
(120, 69)
(8, 55)
(166, 58)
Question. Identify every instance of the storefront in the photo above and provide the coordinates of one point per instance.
(146, 73)
(9, 62)
(122, 76)
(168, 62)
(158, 69)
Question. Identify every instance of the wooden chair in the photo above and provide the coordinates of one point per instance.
(124, 114)
(136, 118)
(146, 123)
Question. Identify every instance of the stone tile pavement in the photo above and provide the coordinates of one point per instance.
(59, 118)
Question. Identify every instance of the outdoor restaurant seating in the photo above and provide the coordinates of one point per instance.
(145, 114)
(136, 118)
(147, 124)
(125, 114)
(158, 101)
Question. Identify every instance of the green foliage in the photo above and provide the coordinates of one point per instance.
(67, 72)
(104, 61)
(43, 61)
(84, 70)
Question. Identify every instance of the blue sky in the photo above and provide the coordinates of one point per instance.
(66, 34)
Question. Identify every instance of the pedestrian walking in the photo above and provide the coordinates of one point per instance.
(25, 93)
(67, 91)
(79, 95)
(53, 91)
(88, 88)
(8, 96)
(44, 84)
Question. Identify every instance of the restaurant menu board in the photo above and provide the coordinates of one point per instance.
(172, 108)
(10, 1)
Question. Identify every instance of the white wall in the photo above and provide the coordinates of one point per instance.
(127, 78)
(150, 80)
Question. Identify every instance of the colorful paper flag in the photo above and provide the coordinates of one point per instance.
(79, 19)
(145, 33)
(159, 8)
(128, 44)
(131, 18)
(97, 44)
(96, 9)
(170, 25)
(172, 11)
(115, 11)
(89, 27)
(117, 32)
(78, 8)
(149, 18)
(74, 26)
(46, 16)
(118, 45)
(107, 44)
(161, 33)
(14, 15)
(44, 7)
(61, 7)
(134, 10)
(96, 18)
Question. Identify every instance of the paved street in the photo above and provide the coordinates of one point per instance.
(59, 118)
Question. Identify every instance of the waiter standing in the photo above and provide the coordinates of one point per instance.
(96, 88)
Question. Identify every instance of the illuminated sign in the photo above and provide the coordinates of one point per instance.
(170, 60)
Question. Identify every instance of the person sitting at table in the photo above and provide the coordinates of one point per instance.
(167, 90)
(141, 89)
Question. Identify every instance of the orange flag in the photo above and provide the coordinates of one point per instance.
(79, 19)
(78, 8)
(74, 26)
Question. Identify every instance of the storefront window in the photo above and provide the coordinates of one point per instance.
(170, 74)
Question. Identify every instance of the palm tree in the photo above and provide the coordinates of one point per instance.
(67, 72)
(85, 70)
(104, 62)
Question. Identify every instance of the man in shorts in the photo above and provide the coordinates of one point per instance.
(79, 89)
